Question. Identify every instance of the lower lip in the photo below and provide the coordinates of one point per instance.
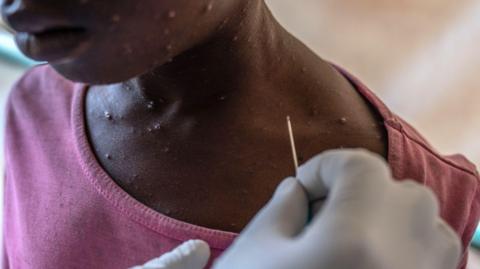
(54, 46)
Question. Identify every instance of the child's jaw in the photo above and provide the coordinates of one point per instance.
(125, 38)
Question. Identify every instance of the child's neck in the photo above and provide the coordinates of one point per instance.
(247, 51)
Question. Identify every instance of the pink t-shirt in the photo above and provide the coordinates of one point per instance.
(62, 210)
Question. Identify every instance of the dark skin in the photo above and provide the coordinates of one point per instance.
(187, 106)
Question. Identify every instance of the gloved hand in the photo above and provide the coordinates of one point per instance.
(368, 221)
(193, 254)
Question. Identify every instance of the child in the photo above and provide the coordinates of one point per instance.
(160, 121)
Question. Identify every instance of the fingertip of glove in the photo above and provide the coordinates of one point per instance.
(196, 246)
(287, 185)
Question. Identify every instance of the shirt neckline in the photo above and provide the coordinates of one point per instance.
(124, 202)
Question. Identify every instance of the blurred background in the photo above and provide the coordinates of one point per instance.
(419, 56)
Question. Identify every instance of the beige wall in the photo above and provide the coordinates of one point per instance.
(420, 56)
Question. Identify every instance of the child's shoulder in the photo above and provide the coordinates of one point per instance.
(39, 86)
(408, 149)
(453, 179)
(415, 139)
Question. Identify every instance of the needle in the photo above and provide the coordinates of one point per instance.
(292, 143)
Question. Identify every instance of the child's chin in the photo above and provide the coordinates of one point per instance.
(91, 69)
(94, 74)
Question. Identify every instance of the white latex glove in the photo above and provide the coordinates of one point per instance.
(368, 221)
(193, 254)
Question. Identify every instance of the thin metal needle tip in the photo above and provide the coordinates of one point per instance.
(292, 143)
